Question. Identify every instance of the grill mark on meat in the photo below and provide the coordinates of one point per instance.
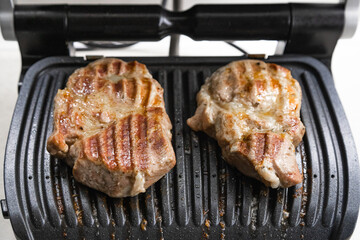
(131, 67)
(106, 149)
(122, 68)
(101, 70)
(273, 146)
(138, 92)
(119, 89)
(272, 67)
(157, 141)
(115, 68)
(99, 84)
(146, 95)
(83, 85)
(139, 141)
(249, 72)
(124, 145)
(64, 124)
(260, 146)
(92, 148)
(260, 86)
(131, 143)
(146, 156)
(115, 144)
(244, 148)
(109, 148)
(129, 89)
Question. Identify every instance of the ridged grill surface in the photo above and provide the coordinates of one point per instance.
(202, 197)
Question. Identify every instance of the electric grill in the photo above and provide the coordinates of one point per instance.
(202, 197)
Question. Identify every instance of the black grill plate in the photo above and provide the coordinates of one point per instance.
(202, 197)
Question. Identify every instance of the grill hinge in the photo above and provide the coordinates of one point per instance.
(257, 56)
(92, 57)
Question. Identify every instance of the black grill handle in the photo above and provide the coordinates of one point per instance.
(202, 22)
(44, 30)
(152, 23)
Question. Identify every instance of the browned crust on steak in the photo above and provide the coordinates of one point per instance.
(252, 108)
(110, 124)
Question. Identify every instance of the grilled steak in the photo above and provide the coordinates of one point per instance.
(252, 108)
(110, 125)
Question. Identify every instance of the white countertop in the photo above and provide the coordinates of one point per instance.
(345, 67)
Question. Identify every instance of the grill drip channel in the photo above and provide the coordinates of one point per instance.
(202, 197)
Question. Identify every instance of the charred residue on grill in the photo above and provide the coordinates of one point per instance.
(254, 206)
(112, 228)
(158, 218)
(304, 192)
(109, 203)
(112, 236)
(222, 236)
(206, 227)
(94, 211)
(58, 196)
(143, 224)
(298, 192)
(254, 212)
(207, 223)
(223, 174)
(57, 191)
(124, 203)
(284, 214)
(76, 201)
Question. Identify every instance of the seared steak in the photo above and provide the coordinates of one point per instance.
(110, 125)
(252, 108)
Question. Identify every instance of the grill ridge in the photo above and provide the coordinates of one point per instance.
(49, 162)
(294, 218)
(50, 212)
(36, 212)
(196, 176)
(150, 206)
(185, 79)
(182, 213)
(213, 183)
(230, 198)
(331, 166)
(204, 154)
(65, 188)
(278, 208)
(92, 197)
(315, 169)
(41, 146)
(328, 209)
(246, 202)
(166, 198)
(39, 149)
(76, 203)
(263, 212)
(341, 151)
(135, 215)
(118, 211)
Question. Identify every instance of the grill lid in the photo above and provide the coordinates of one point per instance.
(202, 197)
